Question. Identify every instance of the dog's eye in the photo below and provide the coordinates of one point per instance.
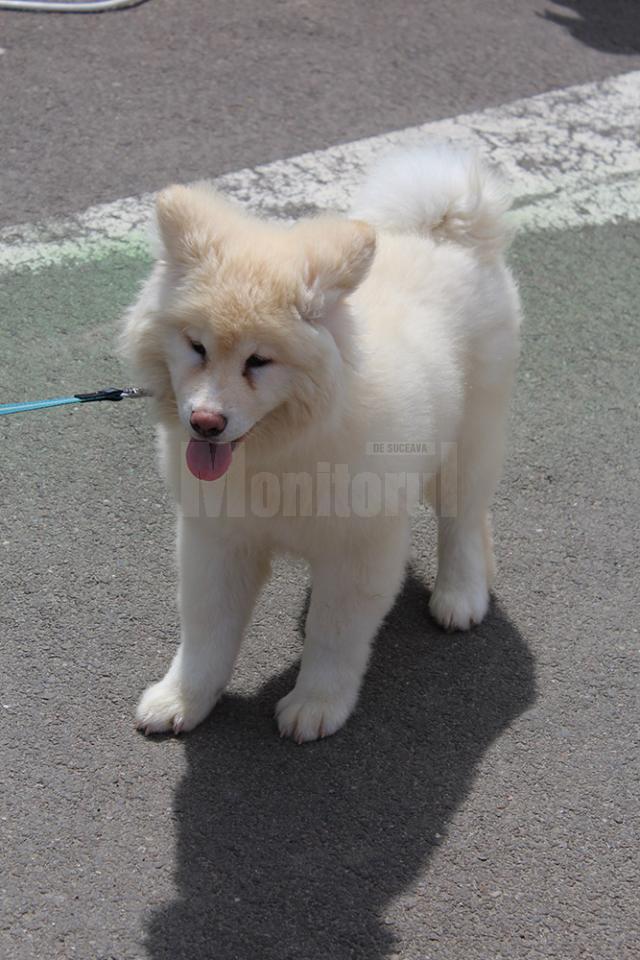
(198, 347)
(254, 361)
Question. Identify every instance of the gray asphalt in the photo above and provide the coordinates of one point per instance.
(100, 107)
(483, 800)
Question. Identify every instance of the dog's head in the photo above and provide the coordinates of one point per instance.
(242, 330)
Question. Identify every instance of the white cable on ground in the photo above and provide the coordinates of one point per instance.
(67, 6)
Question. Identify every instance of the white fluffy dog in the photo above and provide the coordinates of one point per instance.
(311, 384)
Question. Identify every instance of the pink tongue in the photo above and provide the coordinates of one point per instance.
(208, 461)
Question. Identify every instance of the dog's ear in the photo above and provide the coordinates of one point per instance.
(181, 227)
(192, 223)
(338, 254)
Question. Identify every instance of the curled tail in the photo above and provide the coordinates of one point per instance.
(441, 190)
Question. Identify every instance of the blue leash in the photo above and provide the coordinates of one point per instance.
(111, 393)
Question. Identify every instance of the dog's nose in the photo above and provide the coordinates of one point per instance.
(207, 423)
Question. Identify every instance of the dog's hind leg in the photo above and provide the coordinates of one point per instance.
(465, 487)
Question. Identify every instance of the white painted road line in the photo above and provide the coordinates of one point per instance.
(572, 157)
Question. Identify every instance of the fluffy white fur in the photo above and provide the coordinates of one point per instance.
(399, 329)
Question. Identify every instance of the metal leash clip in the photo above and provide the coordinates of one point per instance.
(113, 393)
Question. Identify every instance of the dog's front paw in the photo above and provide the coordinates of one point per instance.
(309, 715)
(167, 706)
(458, 609)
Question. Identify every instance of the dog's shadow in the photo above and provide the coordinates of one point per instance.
(294, 852)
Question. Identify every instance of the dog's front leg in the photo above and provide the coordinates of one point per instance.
(219, 581)
(351, 596)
